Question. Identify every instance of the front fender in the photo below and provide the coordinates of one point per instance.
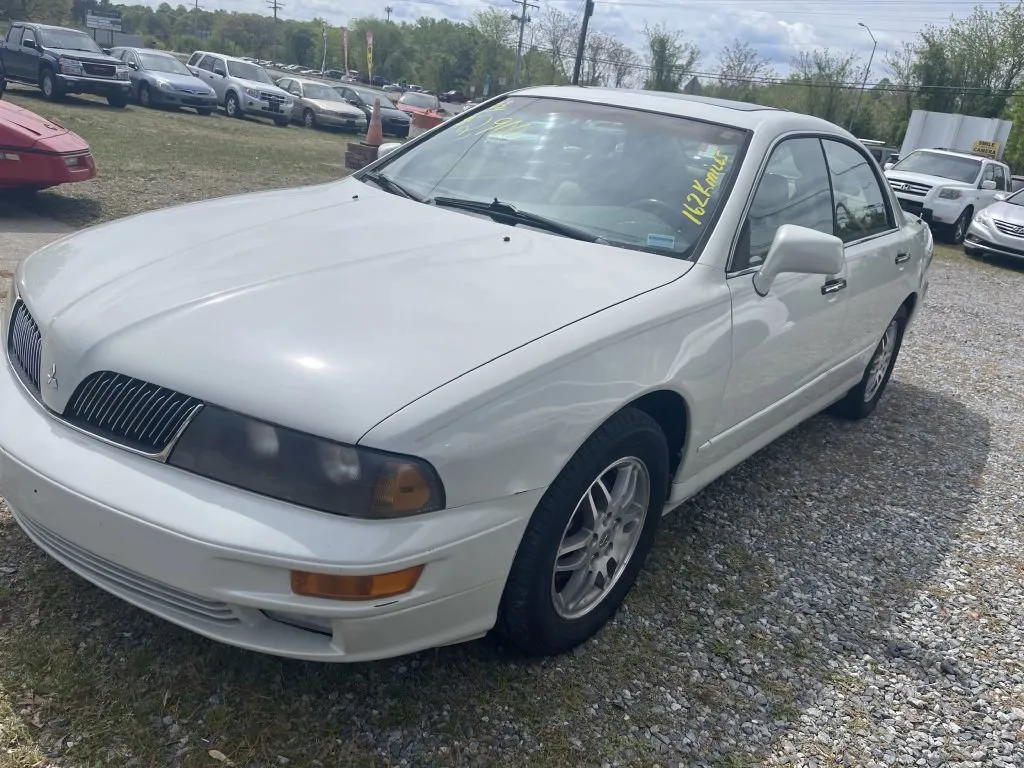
(513, 424)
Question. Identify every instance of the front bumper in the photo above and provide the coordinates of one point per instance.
(97, 85)
(280, 112)
(180, 99)
(986, 238)
(932, 210)
(348, 122)
(40, 170)
(217, 560)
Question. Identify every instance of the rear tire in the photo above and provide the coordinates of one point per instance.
(118, 100)
(49, 86)
(861, 401)
(571, 536)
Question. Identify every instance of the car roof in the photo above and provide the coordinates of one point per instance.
(306, 81)
(221, 55)
(737, 114)
(956, 153)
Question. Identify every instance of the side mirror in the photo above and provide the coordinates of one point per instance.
(799, 249)
(132, 65)
(888, 166)
(1000, 196)
(387, 149)
(29, 43)
(988, 184)
(353, 102)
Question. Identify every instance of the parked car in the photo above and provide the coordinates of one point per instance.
(160, 80)
(946, 188)
(36, 153)
(320, 105)
(455, 97)
(998, 229)
(62, 61)
(1016, 183)
(394, 122)
(419, 103)
(242, 88)
(474, 422)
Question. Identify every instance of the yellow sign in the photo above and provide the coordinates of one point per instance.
(697, 201)
(987, 148)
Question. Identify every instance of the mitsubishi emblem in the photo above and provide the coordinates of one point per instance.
(51, 377)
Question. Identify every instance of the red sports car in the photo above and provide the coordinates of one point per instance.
(36, 153)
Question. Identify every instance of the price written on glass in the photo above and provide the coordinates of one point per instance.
(697, 201)
(492, 122)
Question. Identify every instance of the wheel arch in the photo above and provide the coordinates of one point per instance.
(672, 412)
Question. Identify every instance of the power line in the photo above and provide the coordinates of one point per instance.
(522, 18)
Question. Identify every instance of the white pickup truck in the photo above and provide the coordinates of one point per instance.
(946, 188)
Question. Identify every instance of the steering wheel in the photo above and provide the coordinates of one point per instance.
(667, 213)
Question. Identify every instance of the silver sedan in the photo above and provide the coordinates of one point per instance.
(317, 105)
(998, 229)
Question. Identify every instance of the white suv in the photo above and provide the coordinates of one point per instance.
(243, 88)
(946, 188)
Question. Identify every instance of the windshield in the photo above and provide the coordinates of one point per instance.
(69, 39)
(160, 63)
(247, 71)
(317, 91)
(369, 96)
(963, 169)
(638, 180)
(419, 100)
(1016, 198)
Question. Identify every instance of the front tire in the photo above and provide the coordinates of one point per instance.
(861, 401)
(309, 119)
(588, 537)
(204, 111)
(145, 97)
(959, 229)
(48, 85)
(231, 106)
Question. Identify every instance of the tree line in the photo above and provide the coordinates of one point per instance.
(973, 65)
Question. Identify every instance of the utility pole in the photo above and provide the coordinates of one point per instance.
(197, 19)
(523, 19)
(387, 10)
(583, 42)
(275, 6)
(856, 110)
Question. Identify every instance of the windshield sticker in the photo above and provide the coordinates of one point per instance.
(697, 201)
(661, 241)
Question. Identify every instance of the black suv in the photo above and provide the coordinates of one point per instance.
(61, 61)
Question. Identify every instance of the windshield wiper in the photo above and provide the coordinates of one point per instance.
(506, 213)
(390, 185)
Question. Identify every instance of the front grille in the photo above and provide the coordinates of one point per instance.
(126, 583)
(24, 345)
(273, 98)
(910, 188)
(912, 206)
(129, 411)
(98, 70)
(1013, 230)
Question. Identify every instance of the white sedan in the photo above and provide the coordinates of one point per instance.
(455, 391)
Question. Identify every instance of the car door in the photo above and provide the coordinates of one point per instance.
(295, 89)
(878, 250)
(784, 343)
(986, 197)
(134, 69)
(22, 60)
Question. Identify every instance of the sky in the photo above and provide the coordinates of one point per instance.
(776, 28)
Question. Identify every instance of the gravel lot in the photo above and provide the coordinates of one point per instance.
(849, 596)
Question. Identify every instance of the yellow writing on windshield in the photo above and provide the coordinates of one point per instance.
(697, 200)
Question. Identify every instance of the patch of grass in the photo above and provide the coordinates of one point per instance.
(147, 158)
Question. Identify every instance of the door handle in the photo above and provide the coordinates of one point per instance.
(833, 286)
(902, 258)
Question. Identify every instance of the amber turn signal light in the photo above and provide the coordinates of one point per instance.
(334, 587)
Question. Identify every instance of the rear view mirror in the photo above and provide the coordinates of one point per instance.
(801, 250)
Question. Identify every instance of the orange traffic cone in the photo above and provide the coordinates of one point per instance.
(374, 132)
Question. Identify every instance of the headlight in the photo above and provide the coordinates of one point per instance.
(982, 217)
(254, 92)
(163, 85)
(289, 104)
(121, 73)
(70, 66)
(950, 193)
(306, 470)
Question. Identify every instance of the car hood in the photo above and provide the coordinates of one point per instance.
(268, 88)
(337, 106)
(179, 80)
(925, 178)
(323, 308)
(22, 129)
(99, 58)
(1009, 212)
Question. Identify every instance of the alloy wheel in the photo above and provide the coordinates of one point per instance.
(880, 362)
(600, 538)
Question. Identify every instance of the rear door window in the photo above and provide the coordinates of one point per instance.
(14, 36)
